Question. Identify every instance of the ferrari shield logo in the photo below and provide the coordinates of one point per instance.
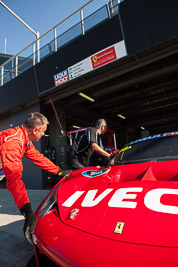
(119, 227)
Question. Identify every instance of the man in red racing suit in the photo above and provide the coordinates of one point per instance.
(16, 143)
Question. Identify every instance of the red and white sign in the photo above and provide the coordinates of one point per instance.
(103, 57)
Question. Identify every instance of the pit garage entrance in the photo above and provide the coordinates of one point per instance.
(136, 94)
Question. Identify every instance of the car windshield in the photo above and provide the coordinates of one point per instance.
(149, 150)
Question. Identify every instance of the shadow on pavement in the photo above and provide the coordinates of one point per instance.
(14, 250)
(32, 262)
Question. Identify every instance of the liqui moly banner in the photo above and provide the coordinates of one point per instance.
(61, 77)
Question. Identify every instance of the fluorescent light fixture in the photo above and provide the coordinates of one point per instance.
(142, 128)
(121, 116)
(86, 97)
(76, 127)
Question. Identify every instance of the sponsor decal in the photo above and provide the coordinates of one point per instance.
(61, 77)
(126, 198)
(153, 137)
(94, 173)
(119, 228)
(146, 138)
(170, 134)
(103, 57)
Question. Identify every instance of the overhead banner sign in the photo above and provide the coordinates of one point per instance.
(95, 61)
(61, 77)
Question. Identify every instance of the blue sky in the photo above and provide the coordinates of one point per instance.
(40, 15)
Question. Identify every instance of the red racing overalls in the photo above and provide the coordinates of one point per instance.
(14, 144)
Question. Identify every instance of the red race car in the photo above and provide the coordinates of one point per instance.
(124, 214)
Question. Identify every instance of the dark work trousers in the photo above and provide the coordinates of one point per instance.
(75, 162)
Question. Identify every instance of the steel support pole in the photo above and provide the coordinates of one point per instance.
(38, 47)
(55, 40)
(2, 75)
(34, 54)
(16, 66)
(82, 21)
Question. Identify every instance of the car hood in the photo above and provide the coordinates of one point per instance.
(136, 203)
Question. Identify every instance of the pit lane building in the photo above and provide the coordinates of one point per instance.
(123, 56)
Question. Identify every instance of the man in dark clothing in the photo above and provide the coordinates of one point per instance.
(85, 143)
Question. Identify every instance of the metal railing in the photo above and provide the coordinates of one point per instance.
(18, 64)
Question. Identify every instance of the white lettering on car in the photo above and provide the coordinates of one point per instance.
(152, 199)
(72, 199)
(88, 200)
(121, 194)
